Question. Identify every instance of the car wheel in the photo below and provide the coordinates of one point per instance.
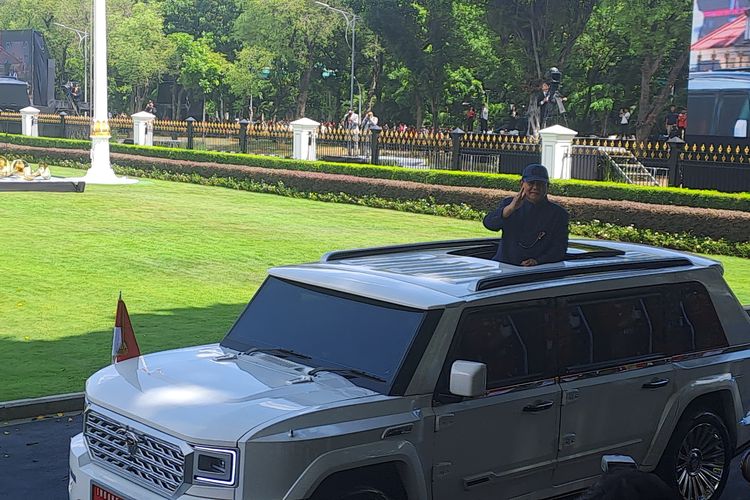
(696, 461)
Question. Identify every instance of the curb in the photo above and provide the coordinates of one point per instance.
(47, 405)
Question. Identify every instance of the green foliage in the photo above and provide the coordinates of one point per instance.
(198, 18)
(593, 229)
(569, 188)
(201, 68)
(138, 51)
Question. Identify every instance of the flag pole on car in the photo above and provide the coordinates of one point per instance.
(124, 345)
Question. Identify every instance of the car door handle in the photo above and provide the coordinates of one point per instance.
(538, 406)
(656, 383)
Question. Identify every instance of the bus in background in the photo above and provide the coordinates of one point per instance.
(719, 104)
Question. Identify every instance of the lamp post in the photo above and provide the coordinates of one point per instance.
(351, 19)
(83, 37)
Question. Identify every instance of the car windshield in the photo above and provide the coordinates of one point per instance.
(334, 330)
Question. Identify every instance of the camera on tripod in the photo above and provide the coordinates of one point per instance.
(557, 113)
(554, 78)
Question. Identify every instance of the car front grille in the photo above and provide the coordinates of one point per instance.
(149, 461)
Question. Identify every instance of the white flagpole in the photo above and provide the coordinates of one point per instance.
(101, 170)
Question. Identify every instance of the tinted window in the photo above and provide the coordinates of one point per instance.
(609, 330)
(700, 319)
(659, 322)
(515, 344)
(334, 330)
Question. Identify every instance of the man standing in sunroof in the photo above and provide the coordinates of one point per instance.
(535, 230)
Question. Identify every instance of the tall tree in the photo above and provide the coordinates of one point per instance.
(296, 31)
(199, 18)
(138, 50)
(419, 33)
(545, 30)
(660, 37)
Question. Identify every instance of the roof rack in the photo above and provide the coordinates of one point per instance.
(550, 274)
(370, 252)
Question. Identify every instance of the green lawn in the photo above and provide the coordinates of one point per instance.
(186, 258)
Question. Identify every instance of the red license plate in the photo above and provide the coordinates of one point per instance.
(99, 493)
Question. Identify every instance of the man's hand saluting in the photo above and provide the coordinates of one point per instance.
(516, 203)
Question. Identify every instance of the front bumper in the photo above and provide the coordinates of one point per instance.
(84, 472)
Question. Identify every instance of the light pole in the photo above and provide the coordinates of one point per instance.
(351, 19)
(83, 37)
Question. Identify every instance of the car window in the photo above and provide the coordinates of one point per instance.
(699, 315)
(633, 324)
(599, 332)
(515, 344)
(331, 329)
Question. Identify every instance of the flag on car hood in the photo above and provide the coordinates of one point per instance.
(124, 345)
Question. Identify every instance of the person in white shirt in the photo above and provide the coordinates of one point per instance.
(484, 118)
(624, 122)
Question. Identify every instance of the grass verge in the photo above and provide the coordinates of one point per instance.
(186, 257)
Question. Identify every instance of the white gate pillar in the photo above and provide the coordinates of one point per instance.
(30, 121)
(557, 144)
(305, 132)
(143, 129)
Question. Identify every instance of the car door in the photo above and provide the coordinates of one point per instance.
(616, 379)
(502, 444)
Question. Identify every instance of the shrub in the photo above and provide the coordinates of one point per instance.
(567, 188)
(695, 223)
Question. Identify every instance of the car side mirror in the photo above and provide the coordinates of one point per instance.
(740, 129)
(468, 379)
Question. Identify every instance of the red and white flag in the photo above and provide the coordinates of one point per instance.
(124, 345)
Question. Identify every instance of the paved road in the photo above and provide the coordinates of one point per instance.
(34, 461)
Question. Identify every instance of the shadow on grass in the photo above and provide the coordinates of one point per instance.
(41, 367)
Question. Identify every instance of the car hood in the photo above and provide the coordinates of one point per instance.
(196, 396)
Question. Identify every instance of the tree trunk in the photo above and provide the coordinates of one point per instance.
(418, 111)
(177, 113)
(650, 105)
(435, 110)
(304, 85)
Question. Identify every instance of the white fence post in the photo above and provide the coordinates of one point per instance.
(305, 132)
(30, 121)
(143, 129)
(557, 144)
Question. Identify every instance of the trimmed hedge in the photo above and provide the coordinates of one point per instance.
(716, 224)
(568, 188)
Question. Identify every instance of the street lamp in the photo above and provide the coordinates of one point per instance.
(83, 37)
(351, 19)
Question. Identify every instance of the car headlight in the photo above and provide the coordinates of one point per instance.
(214, 466)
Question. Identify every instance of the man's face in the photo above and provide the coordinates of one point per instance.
(535, 190)
(545, 87)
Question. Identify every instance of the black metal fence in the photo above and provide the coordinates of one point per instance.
(10, 123)
(699, 166)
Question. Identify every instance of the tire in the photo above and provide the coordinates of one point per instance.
(697, 459)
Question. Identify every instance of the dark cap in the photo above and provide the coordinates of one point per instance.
(535, 172)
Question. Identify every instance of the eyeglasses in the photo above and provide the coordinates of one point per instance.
(539, 237)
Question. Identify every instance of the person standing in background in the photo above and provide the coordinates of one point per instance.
(682, 123)
(471, 115)
(624, 122)
(671, 121)
(484, 118)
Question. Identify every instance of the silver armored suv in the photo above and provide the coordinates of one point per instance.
(429, 371)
